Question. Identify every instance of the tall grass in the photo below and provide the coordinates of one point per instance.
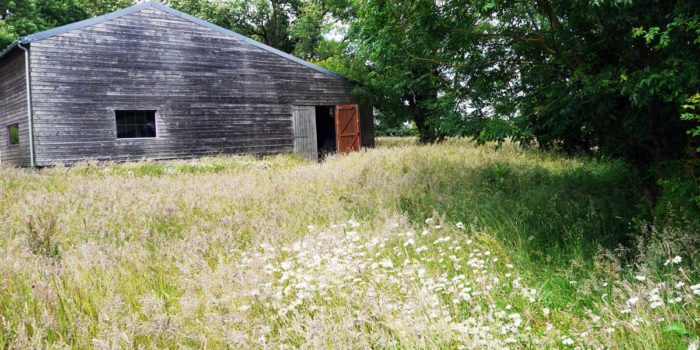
(406, 246)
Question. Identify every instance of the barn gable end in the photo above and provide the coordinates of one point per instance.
(212, 91)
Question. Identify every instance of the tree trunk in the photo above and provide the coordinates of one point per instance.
(422, 115)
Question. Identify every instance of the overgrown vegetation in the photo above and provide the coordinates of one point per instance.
(610, 78)
(435, 246)
(441, 246)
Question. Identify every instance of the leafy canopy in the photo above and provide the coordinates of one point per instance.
(583, 76)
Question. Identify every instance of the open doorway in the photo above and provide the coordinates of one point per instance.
(325, 130)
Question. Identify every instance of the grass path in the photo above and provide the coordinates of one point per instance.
(444, 246)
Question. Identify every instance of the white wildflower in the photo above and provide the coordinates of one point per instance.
(640, 278)
(386, 263)
(656, 304)
(695, 288)
(675, 260)
(632, 301)
(567, 341)
(353, 223)
(460, 225)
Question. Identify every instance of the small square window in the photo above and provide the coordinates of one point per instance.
(135, 124)
(13, 135)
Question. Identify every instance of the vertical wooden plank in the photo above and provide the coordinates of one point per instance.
(305, 142)
(347, 123)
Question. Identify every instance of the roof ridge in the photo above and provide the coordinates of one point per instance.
(152, 4)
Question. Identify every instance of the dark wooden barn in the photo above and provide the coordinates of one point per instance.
(152, 82)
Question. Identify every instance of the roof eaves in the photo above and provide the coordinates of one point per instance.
(9, 48)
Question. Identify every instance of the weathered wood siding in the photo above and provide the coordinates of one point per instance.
(214, 94)
(13, 108)
(305, 139)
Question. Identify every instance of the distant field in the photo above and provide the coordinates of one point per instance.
(384, 142)
(404, 246)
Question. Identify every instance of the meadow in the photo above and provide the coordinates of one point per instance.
(447, 246)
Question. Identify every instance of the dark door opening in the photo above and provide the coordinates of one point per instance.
(325, 130)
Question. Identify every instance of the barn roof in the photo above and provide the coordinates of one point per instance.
(147, 5)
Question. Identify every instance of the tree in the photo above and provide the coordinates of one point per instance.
(397, 49)
(267, 21)
(607, 77)
(20, 18)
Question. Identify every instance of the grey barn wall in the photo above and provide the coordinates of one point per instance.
(13, 108)
(214, 94)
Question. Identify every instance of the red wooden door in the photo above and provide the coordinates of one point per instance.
(347, 128)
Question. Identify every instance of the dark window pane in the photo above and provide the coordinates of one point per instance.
(13, 134)
(135, 124)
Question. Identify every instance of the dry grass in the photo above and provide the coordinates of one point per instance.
(388, 142)
(362, 251)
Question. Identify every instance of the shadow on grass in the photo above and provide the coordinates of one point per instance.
(545, 215)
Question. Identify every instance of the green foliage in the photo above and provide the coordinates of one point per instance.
(691, 115)
(605, 77)
(395, 51)
(293, 26)
(24, 17)
(14, 135)
(679, 198)
(263, 20)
